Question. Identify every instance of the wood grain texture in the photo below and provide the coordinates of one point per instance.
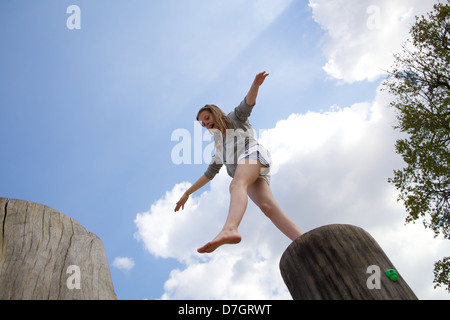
(38, 244)
(331, 262)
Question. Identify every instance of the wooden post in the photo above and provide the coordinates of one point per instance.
(45, 255)
(340, 262)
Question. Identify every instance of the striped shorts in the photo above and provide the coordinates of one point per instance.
(261, 154)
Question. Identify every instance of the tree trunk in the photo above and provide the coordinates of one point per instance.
(340, 262)
(46, 255)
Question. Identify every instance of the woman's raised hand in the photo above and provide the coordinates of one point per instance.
(250, 98)
(260, 77)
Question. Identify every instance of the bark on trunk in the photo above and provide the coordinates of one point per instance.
(340, 262)
(45, 255)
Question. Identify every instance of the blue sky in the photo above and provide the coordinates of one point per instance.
(88, 114)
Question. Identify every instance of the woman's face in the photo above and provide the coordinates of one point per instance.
(206, 119)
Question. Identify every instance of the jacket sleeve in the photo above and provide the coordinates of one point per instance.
(243, 111)
(214, 167)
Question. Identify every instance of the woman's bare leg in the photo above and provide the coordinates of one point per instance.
(262, 196)
(246, 174)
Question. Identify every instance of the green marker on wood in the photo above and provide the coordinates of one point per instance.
(392, 274)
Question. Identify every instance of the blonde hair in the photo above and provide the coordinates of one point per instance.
(220, 117)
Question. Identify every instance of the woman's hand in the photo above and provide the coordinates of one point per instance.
(197, 185)
(250, 98)
(259, 79)
(181, 202)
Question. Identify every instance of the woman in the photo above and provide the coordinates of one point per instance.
(247, 162)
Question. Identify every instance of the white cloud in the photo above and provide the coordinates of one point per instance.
(362, 35)
(333, 168)
(123, 263)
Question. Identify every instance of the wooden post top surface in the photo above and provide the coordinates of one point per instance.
(340, 262)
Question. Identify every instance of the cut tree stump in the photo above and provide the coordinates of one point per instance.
(45, 255)
(340, 262)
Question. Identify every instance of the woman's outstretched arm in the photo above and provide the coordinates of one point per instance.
(250, 99)
(197, 185)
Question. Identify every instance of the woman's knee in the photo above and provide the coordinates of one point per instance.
(237, 184)
(267, 207)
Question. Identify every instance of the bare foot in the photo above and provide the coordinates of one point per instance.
(224, 237)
